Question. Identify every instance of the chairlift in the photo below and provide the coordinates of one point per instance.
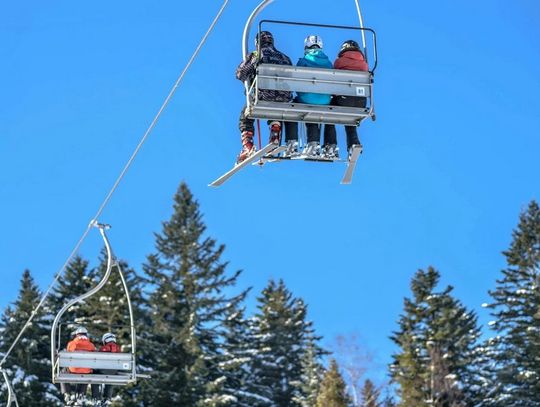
(12, 398)
(336, 82)
(123, 363)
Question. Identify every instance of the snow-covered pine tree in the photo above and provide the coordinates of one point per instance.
(437, 337)
(516, 309)
(77, 279)
(28, 365)
(107, 311)
(189, 300)
(236, 357)
(281, 334)
(312, 373)
(333, 391)
(370, 395)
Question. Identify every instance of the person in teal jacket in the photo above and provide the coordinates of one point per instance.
(313, 57)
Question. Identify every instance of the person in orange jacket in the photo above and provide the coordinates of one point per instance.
(350, 58)
(81, 343)
(109, 345)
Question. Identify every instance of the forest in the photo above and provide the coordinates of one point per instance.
(201, 346)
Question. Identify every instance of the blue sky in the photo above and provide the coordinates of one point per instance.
(446, 169)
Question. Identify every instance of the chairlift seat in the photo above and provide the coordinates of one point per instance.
(113, 379)
(311, 80)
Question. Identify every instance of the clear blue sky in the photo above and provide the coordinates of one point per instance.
(447, 167)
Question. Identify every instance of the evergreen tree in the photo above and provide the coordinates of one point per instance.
(28, 365)
(312, 373)
(516, 309)
(108, 311)
(282, 336)
(188, 305)
(437, 341)
(76, 280)
(237, 356)
(333, 389)
(370, 395)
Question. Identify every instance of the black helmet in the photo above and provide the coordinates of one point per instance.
(349, 45)
(266, 38)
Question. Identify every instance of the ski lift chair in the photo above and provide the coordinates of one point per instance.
(312, 80)
(123, 363)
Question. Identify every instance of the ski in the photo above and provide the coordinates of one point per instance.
(272, 156)
(353, 158)
(256, 156)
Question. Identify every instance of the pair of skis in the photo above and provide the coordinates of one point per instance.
(271, 151)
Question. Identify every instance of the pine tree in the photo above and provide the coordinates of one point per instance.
(76, 280)
(370, 395)
(188, 305)
(108, 310)
(437, 340)
(312, 373)
(28, 365)
(333, 389)
(237, 358)
(281, 334)
(516, 309)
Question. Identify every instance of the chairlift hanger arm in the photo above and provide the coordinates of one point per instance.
(12, 398)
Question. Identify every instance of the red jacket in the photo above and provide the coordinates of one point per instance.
(80, 343)
(110, 347)
(351, 61)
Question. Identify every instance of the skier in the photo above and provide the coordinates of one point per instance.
(313, 57)
(79, 343)
(109, 345)
(349, 58)
(246, 72)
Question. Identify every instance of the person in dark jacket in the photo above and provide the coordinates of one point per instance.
(349, 58)
(313, 57)
(246, 72)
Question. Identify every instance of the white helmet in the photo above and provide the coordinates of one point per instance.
(313, 40)
(81, 331)
(108, 337)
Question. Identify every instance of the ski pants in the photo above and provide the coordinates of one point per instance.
(107, 388)
(352, 135)
(246, 124)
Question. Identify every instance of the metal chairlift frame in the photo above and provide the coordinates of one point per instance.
(12, 398)
(307, 79)
(124, 363)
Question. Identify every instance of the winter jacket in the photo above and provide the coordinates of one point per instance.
(351, 61)
(81, 343)
(269, 55)
(110, 347)
(314, 58)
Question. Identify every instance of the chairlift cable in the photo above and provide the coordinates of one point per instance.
(118, 180)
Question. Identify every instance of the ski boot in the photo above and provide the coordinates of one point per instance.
(291, 149)
(330, 152)
(352, 148)
(275, 133)
(312, 150)
(248, 148)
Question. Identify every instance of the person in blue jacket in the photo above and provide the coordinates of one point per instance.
(313, 57)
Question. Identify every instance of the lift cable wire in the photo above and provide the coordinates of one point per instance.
(117, 182)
